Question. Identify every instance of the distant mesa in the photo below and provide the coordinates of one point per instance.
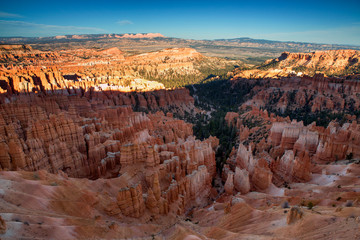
(76, 37)
(106, 36)
(140, 35)
(60, 37)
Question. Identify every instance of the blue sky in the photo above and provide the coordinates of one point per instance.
(330, 21)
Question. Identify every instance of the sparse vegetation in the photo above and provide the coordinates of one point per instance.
(36, 176)
(218, 97)
(203, 71)
(266, 66)
(285, 204)
(349, 156)
(349, 203)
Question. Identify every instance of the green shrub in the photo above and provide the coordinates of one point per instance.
(36, 176)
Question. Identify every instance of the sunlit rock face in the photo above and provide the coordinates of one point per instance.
(331, 62)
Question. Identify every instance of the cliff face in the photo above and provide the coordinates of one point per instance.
(296, 95)
(332, 61)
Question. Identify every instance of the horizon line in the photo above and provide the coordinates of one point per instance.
(214, 39)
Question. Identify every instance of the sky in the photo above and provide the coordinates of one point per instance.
(335, 22)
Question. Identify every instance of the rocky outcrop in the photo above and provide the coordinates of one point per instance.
(2, 226)
(229, 184)
(130, 201)
(230, 117)
(179, 182)
(294, 215)
(250, 172)
(337, 142)
(293, 169)
(242, 180)
(324, 144)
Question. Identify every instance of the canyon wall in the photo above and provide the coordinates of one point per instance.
(162, 168)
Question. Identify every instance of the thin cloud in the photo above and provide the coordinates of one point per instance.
(124, 22)
(29, 29)
(9, 15)
(340, 35)
(46, 26)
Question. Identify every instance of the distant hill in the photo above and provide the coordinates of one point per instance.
(248, 50)
(250, 42)
(67, 38)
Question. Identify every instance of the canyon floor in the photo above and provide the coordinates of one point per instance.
(107, 143)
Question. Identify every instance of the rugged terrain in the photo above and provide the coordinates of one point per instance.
(90, 148)
(174, 67)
